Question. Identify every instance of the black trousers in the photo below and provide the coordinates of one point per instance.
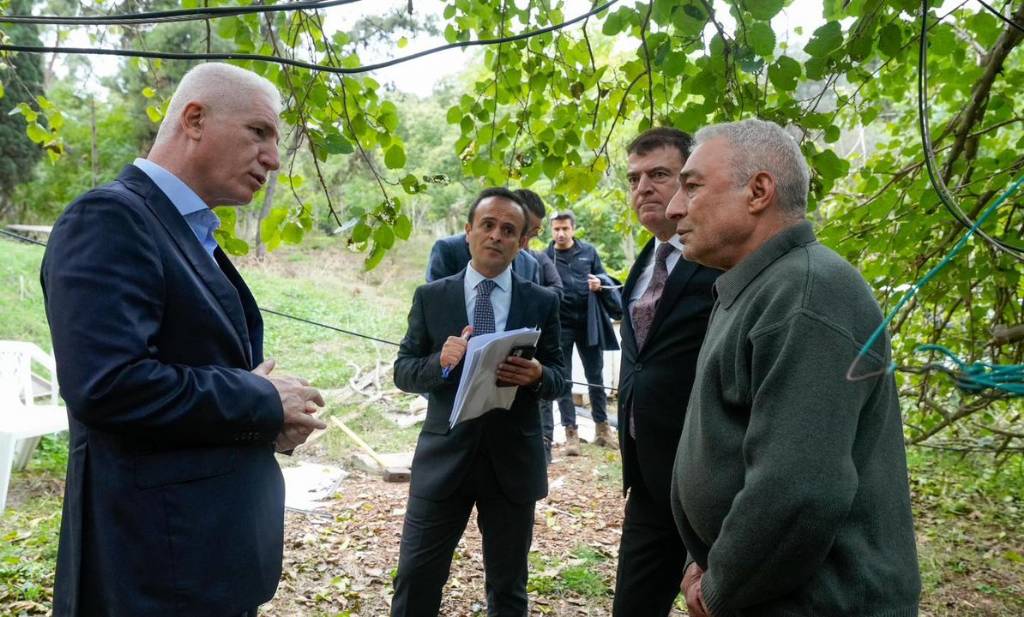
(592, 357)
(432, 530)
(651, 557)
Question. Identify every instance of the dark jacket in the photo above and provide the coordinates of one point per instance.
(512, 438)
(450, 255)
(655, 382)
(574, 265)
(174, 502)
(548, 272)
(601, 309)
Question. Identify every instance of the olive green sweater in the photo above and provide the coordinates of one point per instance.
(790, 486)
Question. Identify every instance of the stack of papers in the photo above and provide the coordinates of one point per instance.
(478, 393)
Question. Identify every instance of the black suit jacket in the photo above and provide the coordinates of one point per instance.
(655, 382)
(174, 503)
(510, 438)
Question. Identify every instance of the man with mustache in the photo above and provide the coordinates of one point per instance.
(790, 488)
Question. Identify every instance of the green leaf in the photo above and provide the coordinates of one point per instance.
(292, 233)
(36, 132)
(394, 158)
(784, 73)
(335, 143)
(825, 40)
(1, 91)
(829, 165)
(374, 258)
(403, 227)
(761, 38)
(148, 92)
(154, 114)
(832, 134)
(454, 115)
(552, 165)
(403, 43)
(383, 236)
(361, 232)
(764, 9)
(890, 39)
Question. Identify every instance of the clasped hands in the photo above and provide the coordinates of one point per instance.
(514, 370)
(299, 401)
(692, 592)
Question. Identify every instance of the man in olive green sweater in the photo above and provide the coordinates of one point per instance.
(790, 488)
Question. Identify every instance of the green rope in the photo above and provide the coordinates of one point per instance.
(980, 376)
(1014, 371)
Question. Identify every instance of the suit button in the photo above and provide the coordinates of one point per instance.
(638, 367)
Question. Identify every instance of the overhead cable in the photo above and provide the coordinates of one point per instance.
(163, 55)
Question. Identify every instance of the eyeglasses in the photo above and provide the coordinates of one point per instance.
(657, 176)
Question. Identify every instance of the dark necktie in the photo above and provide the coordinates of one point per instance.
(483, 312)
(644, 308)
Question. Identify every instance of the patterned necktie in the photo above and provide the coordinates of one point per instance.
(644, 308)
(483, 312)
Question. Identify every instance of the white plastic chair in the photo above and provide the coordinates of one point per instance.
(22, 422)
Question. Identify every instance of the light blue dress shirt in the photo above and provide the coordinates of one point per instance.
(198, 215)
(501, 295)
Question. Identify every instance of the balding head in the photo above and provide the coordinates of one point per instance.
(220, 88)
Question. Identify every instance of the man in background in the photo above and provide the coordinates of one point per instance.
(668, 303)
(174, 502)
(536, 215)
(790, 488)
(587, 294)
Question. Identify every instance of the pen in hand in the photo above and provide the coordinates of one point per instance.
(453, 350)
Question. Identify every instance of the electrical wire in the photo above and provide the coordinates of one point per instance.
(312, 322)
(176, 15)
(1005, 19)
(135, 53)
(929, 152)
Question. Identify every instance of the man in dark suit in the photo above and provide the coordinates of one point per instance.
(496, 461)
(669, 302)
(174, 502)
(536, 215)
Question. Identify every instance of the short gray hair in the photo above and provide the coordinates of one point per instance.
(758, 145)
(219, 86)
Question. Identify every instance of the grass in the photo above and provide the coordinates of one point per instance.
(576, 575)
(969, 512)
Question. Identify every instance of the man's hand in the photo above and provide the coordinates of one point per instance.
(519, 371)
(593, 283)
(454, 348)
(299, 401)
(691, 591)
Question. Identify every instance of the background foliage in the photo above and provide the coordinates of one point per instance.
(553, 111)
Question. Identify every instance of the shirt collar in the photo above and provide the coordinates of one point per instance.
(674, 241)
(184, 198)
(732, 282)
(503, 280)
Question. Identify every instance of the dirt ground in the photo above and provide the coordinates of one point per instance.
(344, 559)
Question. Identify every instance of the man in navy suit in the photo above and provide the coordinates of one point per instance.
(668, 302)
(174, 502)
(496, 461)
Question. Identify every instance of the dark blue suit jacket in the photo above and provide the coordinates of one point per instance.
(450, 255)
(510, 438)
(174, 503)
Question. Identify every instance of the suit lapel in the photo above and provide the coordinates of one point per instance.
(517, 307)
(674, 286)
(179, 231)
(454, 298)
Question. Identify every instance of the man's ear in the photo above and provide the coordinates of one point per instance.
(762, 192)
(193, 120)
(469, 227)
